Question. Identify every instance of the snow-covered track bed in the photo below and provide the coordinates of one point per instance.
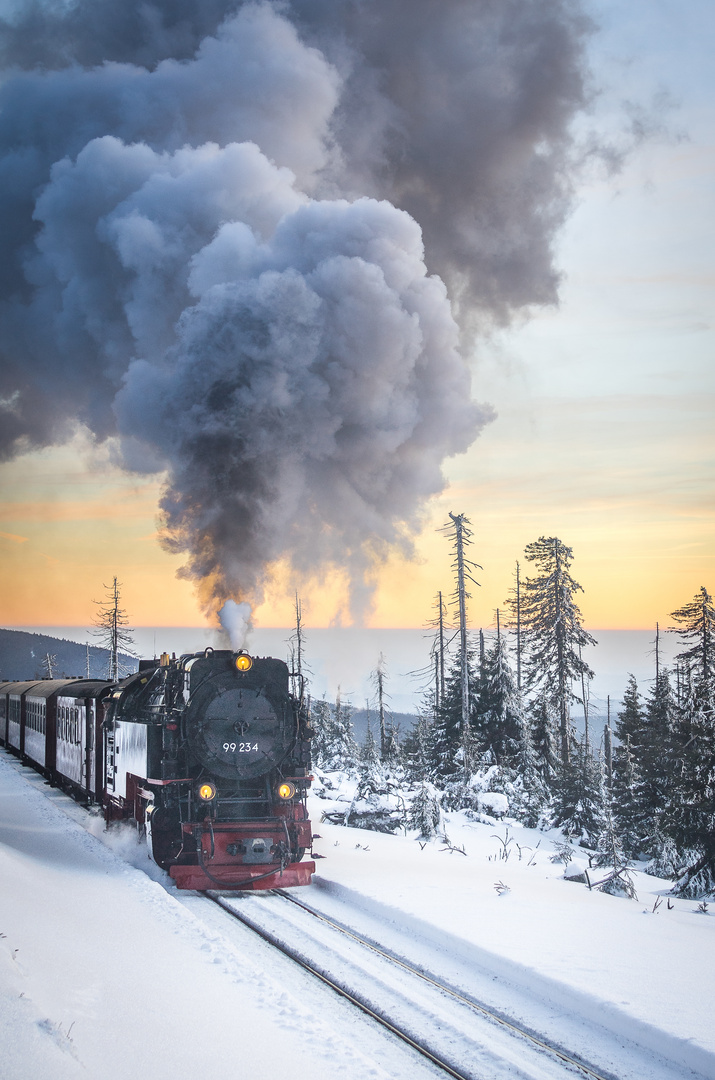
(462, 1037)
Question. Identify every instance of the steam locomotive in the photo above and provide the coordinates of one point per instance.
(210, 753)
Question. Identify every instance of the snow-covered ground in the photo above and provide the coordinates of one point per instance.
(106, 970)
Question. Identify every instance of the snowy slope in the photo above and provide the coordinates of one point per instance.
(105, 970)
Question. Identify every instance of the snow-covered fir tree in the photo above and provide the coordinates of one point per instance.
(415, 749)
(338, 750)
(369, 756)
(498, 723)
(690, 812)
(425, 813)
(544, 737)
(654, 761)
(320, 722)
(611, 857)
(529, 797)
(629, 816)
(445, 743)
(554, 637)
(579, 803)
(696, 629)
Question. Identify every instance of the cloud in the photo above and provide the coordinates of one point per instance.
(14, 538)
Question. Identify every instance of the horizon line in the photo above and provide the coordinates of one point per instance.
(330, 626)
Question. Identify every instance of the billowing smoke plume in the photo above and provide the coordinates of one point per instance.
(213, 252)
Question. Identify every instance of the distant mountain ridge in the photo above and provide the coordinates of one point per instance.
(22, 655)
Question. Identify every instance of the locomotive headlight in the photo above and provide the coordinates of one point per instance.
(243, 662)
(207, 792)
(286, 790)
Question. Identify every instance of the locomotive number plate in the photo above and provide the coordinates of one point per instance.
(239, 748)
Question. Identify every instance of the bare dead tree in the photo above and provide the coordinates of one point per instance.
(608, 746)
(461, 535)
(438, 650)
(113, 633)
(297, 652)
(379, 677)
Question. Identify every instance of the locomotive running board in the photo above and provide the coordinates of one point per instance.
(242, 878)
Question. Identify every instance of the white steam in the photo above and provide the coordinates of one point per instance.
(236, 621)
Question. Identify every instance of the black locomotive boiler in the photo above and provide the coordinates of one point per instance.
(212, 753)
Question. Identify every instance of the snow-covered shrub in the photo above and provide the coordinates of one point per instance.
(425, 813)
(494, 803)
(377, 811)
(365, 802)
(617, 880)
(564, 852)
(697, 883)
(529, 802)
(668, 862)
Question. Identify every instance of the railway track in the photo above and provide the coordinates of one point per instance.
(461, 1036)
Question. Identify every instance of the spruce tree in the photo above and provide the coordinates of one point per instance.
(531, 796)
(697, 629)
(321, 723)
(425, 814)
(340, 752)
(629, 816)
(369, 755)
(415, 749)
(579, 806)
(654, 763)
(690, 811)
(554, 636)
(610, 853)
(498, 722)
(544, 736)
(449, 758)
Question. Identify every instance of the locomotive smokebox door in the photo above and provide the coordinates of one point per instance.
(239, 731)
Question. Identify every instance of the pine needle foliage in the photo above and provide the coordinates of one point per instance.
(696, 624)
(551, 623)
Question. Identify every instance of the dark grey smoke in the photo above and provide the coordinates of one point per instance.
(459, 113)
(213, 219)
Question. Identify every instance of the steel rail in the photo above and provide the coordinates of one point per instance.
(484, 1010)
(353, 998)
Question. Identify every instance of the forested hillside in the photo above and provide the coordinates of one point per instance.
(25, 656)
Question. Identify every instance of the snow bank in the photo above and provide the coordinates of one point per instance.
(104, 973)
(642, 969)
